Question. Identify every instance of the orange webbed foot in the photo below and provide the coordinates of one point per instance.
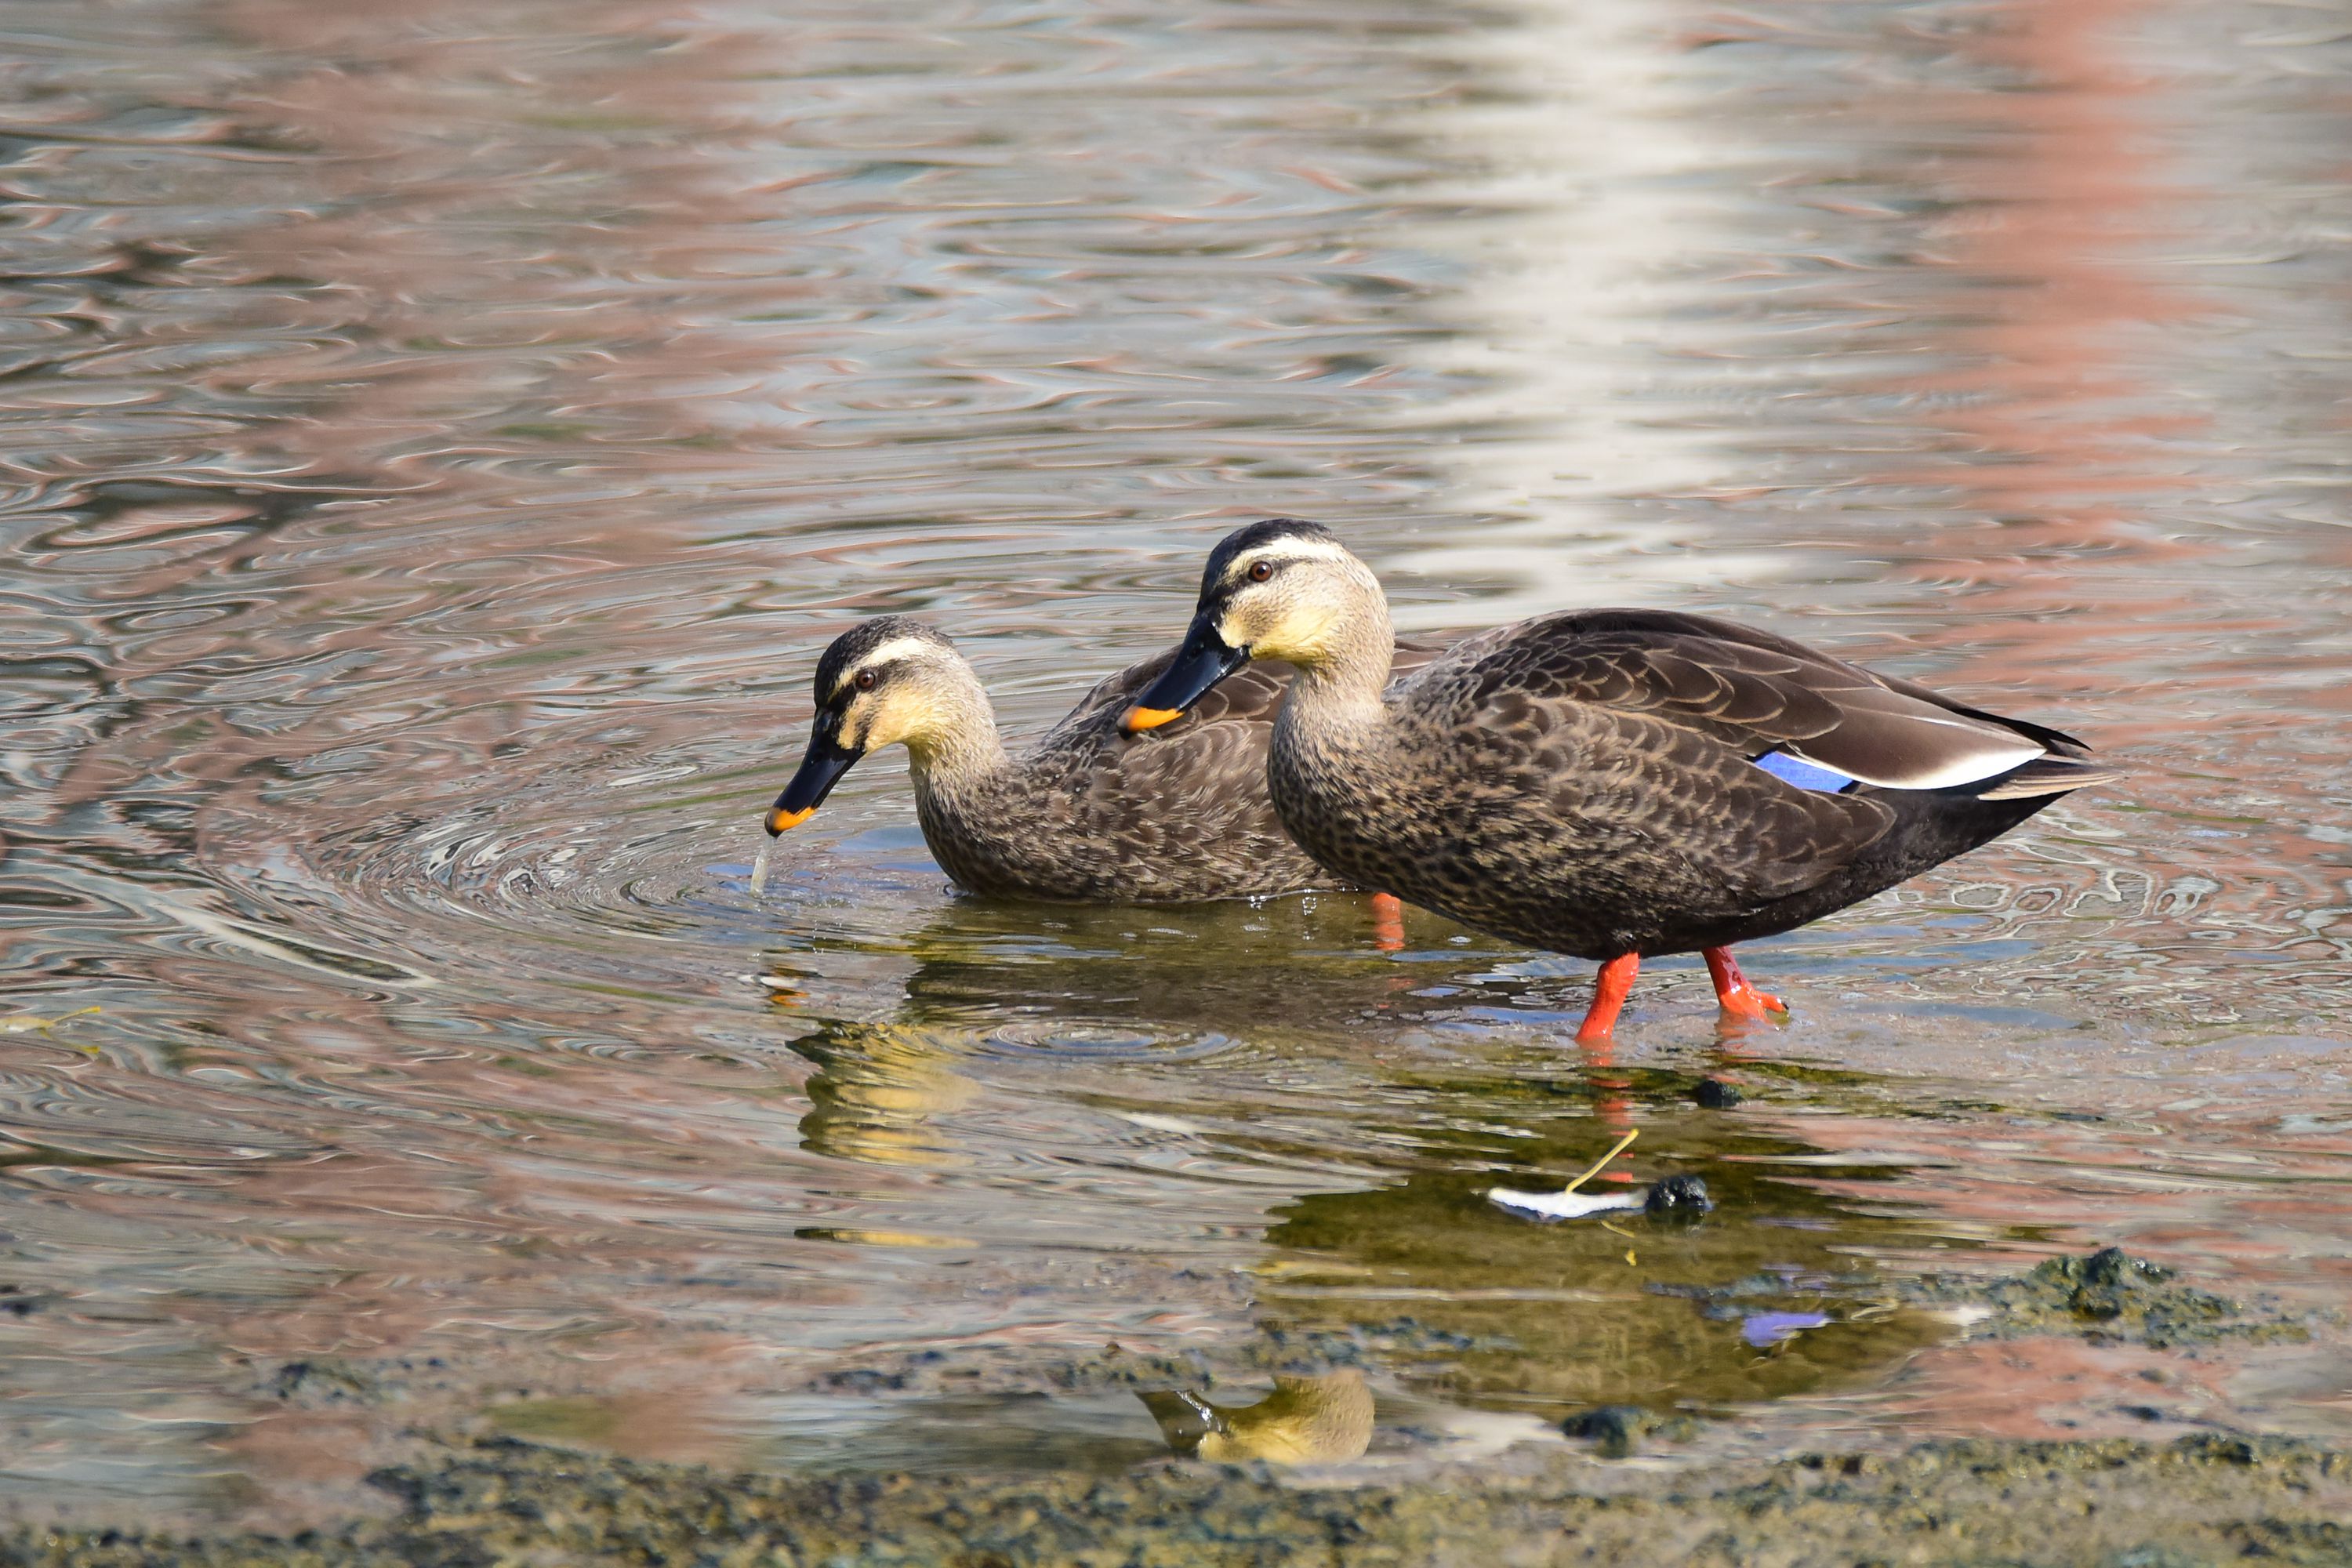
(1734, 995)
(1750, 1002)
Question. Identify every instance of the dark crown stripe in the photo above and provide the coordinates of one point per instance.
(1241, 540)
(862, 639)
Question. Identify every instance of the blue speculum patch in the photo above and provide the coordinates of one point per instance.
(1802, 773)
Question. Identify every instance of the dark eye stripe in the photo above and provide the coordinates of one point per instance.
(872, 673)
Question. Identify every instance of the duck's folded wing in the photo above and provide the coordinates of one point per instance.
(1770, 699)
(1620, 786)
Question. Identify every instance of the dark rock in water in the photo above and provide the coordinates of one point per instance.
(1714, 1094)
(1680, 1196)
(322, 1381)
(1615, 1431)
(2108, 1283)
(2114, 1266)
(865, 1380)
(2111, 1297)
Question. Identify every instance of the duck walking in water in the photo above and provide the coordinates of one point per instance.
(1091, 815)
(1610, 783)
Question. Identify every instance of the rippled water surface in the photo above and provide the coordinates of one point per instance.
(439, 438)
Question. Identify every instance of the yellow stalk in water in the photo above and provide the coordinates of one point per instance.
(1602, 1163)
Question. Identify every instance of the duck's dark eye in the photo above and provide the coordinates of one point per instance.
(864, 681)
(1260, 571)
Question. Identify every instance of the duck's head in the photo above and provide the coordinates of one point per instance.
(1279, 589)
(891, 681)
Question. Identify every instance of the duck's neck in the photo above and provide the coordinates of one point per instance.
(1348, 671)
(959, 752)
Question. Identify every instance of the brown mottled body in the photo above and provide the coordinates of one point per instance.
(1090, 814)
(1610, 783)
(1581, 783)
(1093, 815)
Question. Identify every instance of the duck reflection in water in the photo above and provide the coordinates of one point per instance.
(1477, 1306)
(1172, 973)
(1505, 1313)
(878, 1088)
(1318, 1420)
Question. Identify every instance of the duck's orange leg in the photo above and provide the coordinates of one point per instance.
(1610, 989)
(1732, 992)
(1387, 922)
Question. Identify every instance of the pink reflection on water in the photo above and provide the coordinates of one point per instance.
(528, 402)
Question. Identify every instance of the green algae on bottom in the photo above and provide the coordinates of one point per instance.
(2111, 1297)
(2105, 1504)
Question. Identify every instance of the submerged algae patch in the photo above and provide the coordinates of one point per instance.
(2112, 1297)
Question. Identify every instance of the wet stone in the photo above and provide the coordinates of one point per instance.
(323, 1382)
(2111, 1297)
(1618, 1431)
(1679, 1197)
(1714, 1094)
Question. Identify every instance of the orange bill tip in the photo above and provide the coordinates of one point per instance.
(779, 819)
(1139, 719)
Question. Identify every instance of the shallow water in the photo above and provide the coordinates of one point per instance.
(440, 444)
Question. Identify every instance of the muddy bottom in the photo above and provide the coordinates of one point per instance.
(1299, 1473)
(2114, 1503)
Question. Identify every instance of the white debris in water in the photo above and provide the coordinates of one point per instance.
(1961, 1316)
(760, 868)
(1569, 1203)
(1157, 1122)
(1563, 1206)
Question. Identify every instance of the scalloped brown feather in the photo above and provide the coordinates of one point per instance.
(1586, 783)
(1093, 814)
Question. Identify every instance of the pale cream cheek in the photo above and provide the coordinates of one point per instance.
(1282, 630)
(908, 717)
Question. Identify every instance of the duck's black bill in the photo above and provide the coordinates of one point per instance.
(1203, 660)
(822, 769)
